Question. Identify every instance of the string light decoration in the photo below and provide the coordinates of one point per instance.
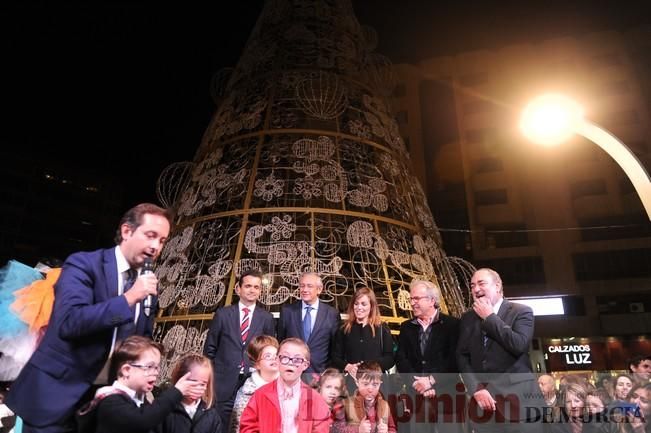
(302, 168)
(172, 182)
(323, 96)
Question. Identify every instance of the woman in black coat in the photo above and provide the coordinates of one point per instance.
(363, 336)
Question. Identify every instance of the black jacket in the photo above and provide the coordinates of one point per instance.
(205, 420)
(440, 350)
(360, 345)
(117, 413)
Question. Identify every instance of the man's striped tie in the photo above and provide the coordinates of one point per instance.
(244, 326)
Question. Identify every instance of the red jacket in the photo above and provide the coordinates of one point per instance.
(262, 414)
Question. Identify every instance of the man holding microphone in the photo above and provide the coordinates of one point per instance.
(99, 301)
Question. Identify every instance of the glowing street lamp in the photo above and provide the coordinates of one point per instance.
(551, 119)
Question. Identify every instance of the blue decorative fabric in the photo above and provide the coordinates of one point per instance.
(13, 276)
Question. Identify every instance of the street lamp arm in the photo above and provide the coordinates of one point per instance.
(623, 156)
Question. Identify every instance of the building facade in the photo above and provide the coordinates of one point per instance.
(562, 221)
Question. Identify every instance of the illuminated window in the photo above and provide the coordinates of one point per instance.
(543, 306)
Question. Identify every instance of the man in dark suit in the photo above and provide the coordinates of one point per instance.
(231, 330)
(426, 349)
(312, 321)
(98, 302)
(493, 358)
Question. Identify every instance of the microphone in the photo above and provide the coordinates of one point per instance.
(147, 269)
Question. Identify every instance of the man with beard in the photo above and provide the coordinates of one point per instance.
(493, 358)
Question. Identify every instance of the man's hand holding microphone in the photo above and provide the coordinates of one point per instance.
(144, 287)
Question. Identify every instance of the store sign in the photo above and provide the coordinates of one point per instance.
(574, 354)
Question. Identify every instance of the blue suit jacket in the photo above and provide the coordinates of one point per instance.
(322, 336)
(224, 346)
(78, 339)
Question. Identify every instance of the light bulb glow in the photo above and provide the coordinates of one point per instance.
(551, 119)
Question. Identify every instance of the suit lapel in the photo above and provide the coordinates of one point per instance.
(413, 336)
(501, 313)
(504, 309)
(320, 318)
(298, 321)
(111, 272)
(254, 328)
(234, 320)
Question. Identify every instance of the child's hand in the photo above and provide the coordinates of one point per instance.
(351, 369)
(190, 388)
(365, 426)
(382, 426)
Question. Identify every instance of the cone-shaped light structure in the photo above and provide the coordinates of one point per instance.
(301, 169)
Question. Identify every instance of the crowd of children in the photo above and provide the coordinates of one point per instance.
(273, 399)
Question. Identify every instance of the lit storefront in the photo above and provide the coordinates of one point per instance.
(592, 354)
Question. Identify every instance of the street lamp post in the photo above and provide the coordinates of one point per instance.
(551, 119)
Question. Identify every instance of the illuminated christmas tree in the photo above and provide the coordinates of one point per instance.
(301, 169)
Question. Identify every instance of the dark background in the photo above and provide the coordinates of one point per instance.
(123, 87)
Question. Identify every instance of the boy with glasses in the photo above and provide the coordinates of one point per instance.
(367, 411)
(122, 407)
(287, 405)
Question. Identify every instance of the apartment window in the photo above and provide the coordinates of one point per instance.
(491, 197)
(488, 165)
(588, 187)
(606, 60)
(624, 304)
(477, 107)
(616, 88)
(630, 226)
(517, 270)
(612, 264)
(473, 79)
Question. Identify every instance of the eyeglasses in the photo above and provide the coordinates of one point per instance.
(413, 299)
(269, 357)
(284, 360)
(149, 369)
(366, 383)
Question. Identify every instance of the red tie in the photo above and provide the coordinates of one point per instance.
(244, 326)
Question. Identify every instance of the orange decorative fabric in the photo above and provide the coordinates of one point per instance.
(34, 303)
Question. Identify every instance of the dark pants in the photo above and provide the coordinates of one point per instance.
(226, 407)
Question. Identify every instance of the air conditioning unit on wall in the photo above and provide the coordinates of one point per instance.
(636, 307)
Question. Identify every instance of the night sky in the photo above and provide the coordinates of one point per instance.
(123, 86)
